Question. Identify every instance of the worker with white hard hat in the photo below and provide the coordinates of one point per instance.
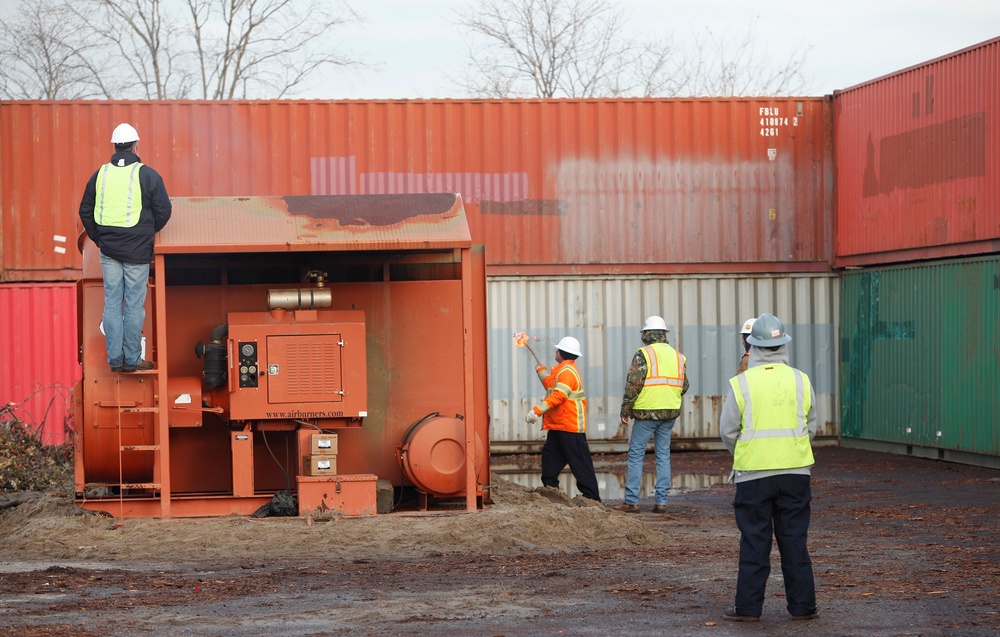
(656, 381)
(768, 421)
(744, 333)
(564, 418)
(124, 205)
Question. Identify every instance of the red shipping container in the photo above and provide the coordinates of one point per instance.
(599, 186)
(918, 161)
(40, 366)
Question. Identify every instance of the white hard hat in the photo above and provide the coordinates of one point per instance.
(748, 325)
(655, 323)
(124, 134)
(569, 345)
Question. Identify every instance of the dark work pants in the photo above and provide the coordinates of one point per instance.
(778, 505)
(562, 448)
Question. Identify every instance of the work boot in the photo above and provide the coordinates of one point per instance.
(812, 615)
(733, 616)
(660, 508)
(625, 507)
(141, 367)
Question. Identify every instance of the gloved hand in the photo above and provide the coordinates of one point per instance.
(531, 418)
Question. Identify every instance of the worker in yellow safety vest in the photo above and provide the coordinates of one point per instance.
(124, 205)
(654, 385)
(768, 422)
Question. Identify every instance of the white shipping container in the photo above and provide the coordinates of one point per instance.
(704, 314)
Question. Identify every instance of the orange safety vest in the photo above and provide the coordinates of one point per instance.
(565, 406)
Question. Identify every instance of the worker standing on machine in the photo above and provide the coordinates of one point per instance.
(124, 205)
(564, 417)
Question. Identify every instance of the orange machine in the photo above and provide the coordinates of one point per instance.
(274, 323)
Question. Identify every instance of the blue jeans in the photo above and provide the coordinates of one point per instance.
(641, 431)
(124, 310)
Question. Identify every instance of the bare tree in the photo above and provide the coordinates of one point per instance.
(731, 65)
(253, 47)
(169, 49)
(580, 48)
(43, 54)
(144, 40)
(556, 48)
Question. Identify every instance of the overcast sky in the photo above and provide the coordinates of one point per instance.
(418, 47)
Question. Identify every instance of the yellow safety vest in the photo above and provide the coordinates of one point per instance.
(774, 400)
(664, 378)
(118, 201)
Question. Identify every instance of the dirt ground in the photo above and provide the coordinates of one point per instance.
(900, 546)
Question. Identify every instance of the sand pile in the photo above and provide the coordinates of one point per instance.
(520, 520)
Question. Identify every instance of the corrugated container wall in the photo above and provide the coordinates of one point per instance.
(704, 315)
(918, 161)
(550, 186)
(919, 352)
(38, 341)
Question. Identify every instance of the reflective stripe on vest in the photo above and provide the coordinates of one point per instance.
(664, 378)
(572, 414)
(119, 197)
(774, 401)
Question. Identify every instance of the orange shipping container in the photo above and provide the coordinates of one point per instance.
(550, 186)
(918, 161)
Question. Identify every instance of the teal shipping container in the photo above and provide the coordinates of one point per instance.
(920, 359)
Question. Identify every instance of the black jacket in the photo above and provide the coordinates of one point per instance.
(135, 244)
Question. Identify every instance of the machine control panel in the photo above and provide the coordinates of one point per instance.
(248, 367)
(307, 364)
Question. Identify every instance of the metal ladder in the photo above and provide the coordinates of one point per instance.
(123, 449)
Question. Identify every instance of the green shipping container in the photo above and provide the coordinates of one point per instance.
(920, 359)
